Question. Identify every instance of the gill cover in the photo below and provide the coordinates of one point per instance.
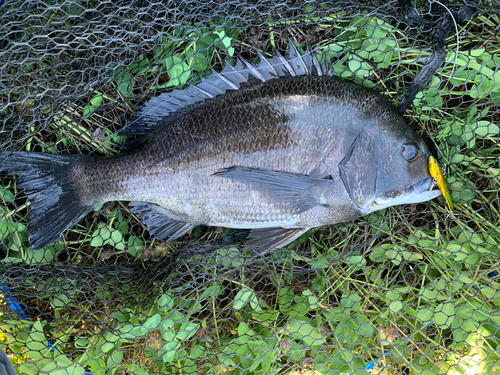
(359, 169)
(376, 174)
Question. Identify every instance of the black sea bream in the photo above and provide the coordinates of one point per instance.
(277, 148)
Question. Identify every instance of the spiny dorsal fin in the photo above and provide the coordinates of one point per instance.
(230, 78)
(296, 61)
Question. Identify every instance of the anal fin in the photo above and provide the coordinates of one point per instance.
(272, 238)
(158, 221)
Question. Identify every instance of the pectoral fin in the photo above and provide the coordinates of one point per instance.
(292, 192)
(159, 224)
(272, 238)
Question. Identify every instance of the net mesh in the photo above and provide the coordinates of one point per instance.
(411, 289)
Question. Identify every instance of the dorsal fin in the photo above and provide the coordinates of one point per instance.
(296, 61)
(230, 78)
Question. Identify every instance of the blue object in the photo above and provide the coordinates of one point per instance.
(5, 289)
(17, 307)
(373, 363)
(490, 275)
(370, 365)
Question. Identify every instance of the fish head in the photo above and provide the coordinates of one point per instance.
(387, 165)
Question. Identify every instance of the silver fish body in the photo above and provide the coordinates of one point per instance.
(278, 156)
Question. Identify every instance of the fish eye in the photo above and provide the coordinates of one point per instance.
(410, 151)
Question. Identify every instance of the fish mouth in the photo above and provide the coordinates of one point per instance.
(422, 191)
(422, 186)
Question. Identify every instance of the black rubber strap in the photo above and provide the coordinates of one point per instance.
(438, 55)
(410, 13)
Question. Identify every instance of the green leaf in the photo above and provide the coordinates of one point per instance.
(335, 50)
(129, 331)
(412, 257)
(470, 326)
(134, 244)
(178, 72)
(378, 254)
(211, 291)
(153, 322)
(394, 256)
(87, 111)
(170, 348)
(43, 255)
(105, 235)
(354, 65)
(6, 195)
(17, 245)
(99, 236)
(430, 294)
(243, 329)
(444, 314)
(266, 315)
(305, 332)
(352, 301)
(36, 342)
(285, 297)
(123, 225)
(7, 226)
(140, 66)
(486, 128)
(165, 301)
(166, 328)
(356, 260)
(226, 42)
(29, 368)
(243, 297)
(365, 327)
(396, 306)
(115, 359)
(82, 343)
(472, 260)
(96, 101)
(425, 314)
(117, 239)
(489, 292)
(125, 85)
(187, 330)
(196, 353)
(197, 60)
(60, 301)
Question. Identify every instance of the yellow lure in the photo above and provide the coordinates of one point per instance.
(442, 183)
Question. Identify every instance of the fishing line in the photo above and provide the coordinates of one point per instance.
(456, 33)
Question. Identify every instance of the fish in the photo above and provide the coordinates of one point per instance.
(441, 181)
(277, 147)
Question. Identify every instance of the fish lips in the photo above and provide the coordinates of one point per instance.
(422, 191)
(427, 184)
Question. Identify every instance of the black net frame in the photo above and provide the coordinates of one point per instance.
(408, 290)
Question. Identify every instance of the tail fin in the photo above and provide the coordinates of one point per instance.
(45, 181)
